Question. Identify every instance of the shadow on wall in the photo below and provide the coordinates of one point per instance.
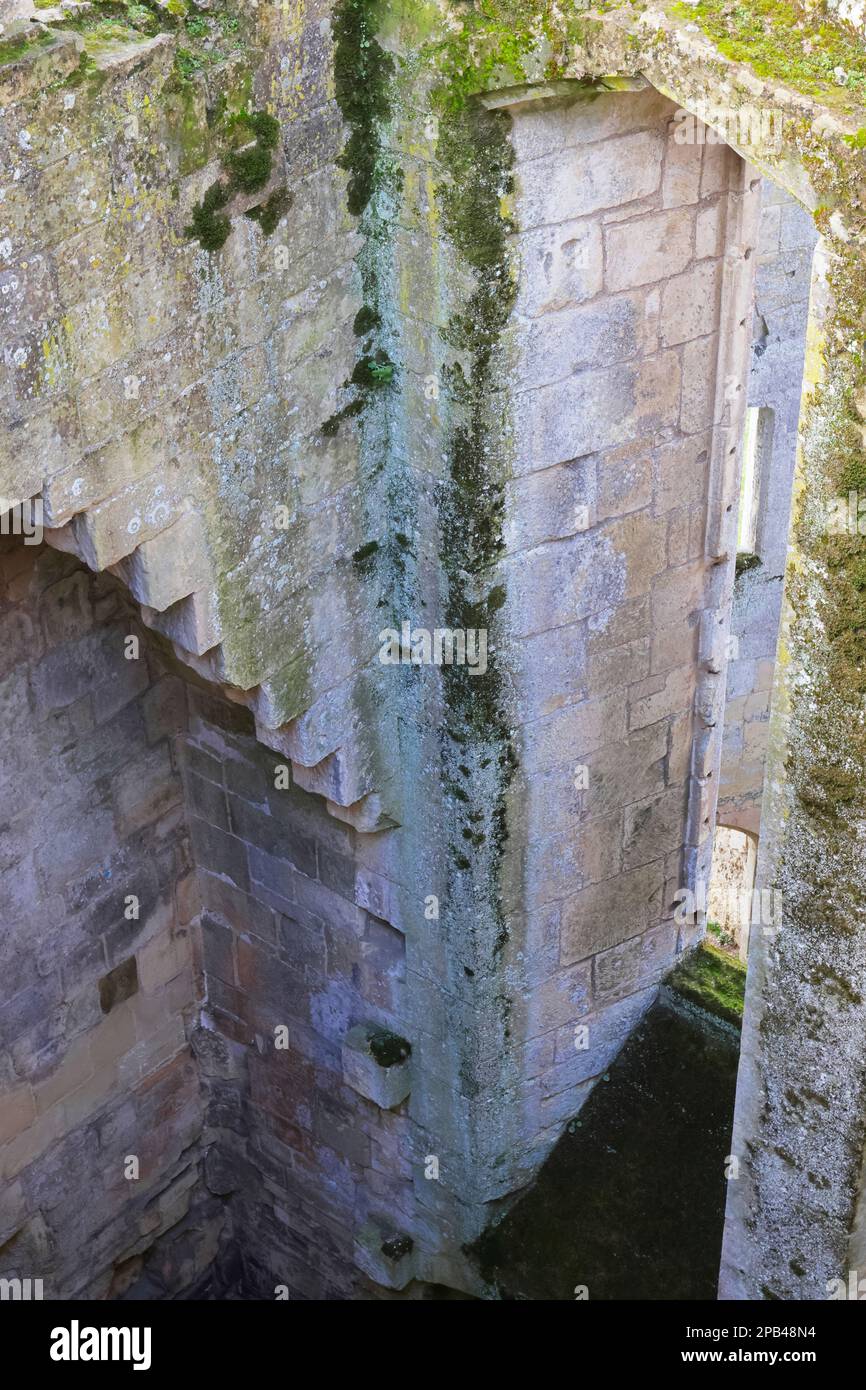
(630, 1205)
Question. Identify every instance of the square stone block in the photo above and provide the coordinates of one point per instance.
(377, 1065)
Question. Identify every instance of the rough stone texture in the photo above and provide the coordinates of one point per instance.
(783, 277)
(623, 396)
(557, 464)
(96, 962)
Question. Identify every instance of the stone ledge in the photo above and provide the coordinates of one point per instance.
(385, 1082)
(386, 1255)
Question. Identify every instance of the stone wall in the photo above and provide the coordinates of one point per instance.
(291, 964)
(99, 898)
(783, 277)
(409, 389)
(165, 403)
(175, 904)
(635, 275)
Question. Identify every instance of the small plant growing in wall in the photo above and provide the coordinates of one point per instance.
(246, 168)
(208, 225)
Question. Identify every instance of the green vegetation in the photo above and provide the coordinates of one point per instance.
(783, 40)
(364, 74)
(388, 1049)
(712, 979)
(474, 148)
(373, 371)
(395, 1247)
(364, 556)
(366, 320)
(207, 224)
(188, 64)
(362, 71)
(269, 214)
(745, 561)
(124, 21)
(12, 50)
(247, 170)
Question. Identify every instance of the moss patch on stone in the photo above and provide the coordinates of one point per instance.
(208, 225)
(20, 46)
(712, 979)
(245, 170)
(362, 71)
(815, 53)
(269, 214)
(475, 149)
(388, 1049)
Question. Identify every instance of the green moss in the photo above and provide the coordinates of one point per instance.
(246, 171)
(96, 21)
(249, 169)
(713, 980)
(363, 556)
(208, 226)
(388, 1049)
(744, 562)
(782, 40)
(187, 65)
(362, 72)
(476, 152)
(14, 49)
(373, 371)
(852, 476)
(498, 44)
(269, 214)
(396, 1246)
(366, 320)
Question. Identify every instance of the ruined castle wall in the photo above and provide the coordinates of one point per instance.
(291, 963)
(168, 406)
(786, 247)
(99, 897)
(167, 402)
(635, 236)
(185, 417)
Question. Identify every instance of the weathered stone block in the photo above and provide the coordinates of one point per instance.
(377, 1065)
(386, 1255)
(580, 181)
(649, 249)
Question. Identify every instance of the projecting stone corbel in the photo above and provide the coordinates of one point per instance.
(386, 1255)
(377, 1064)
(567, 87)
